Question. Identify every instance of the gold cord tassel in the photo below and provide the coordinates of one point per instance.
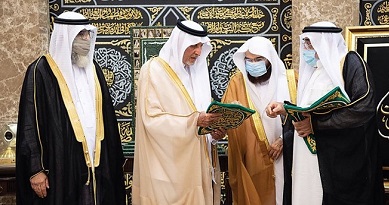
(88, 181)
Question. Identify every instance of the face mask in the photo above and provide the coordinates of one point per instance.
(309, 57)
(256, 69)
(81, 46)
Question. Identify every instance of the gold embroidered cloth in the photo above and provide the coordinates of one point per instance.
(233, 115)
(334, 99)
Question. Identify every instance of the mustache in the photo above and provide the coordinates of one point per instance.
(194, 56)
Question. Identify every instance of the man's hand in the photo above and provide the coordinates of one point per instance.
(39, 183)
(218, 134)
(206, 119)
(304, 127)
(276, 149)
(275, 108)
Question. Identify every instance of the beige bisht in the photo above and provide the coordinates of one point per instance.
(173, 165)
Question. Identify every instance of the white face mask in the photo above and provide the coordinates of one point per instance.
(81, 46)
(310, 57)
(256, 69)
(80, 51)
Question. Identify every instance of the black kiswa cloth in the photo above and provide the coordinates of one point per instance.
(334, 99)
(57, 149)
(383, 116)
(233, 115)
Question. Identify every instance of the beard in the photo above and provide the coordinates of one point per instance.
(260, 79)
(80, 60)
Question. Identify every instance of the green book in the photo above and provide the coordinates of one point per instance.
(334, 99)
(233, 115)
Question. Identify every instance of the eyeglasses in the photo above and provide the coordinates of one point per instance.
(253, 60)
(307, 44)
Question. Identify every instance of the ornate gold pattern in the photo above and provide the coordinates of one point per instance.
(127, 180)
(111, 13)
(334, 99)
(232, 116)
(384, 7)
(368, 10)
(228, 27)
(238, 12)
(155, 11)
(125, 111)
(274, 11)
(125, 131)
(286, 38)
(54, 7)
(125, 44)
(186, 11)
(114, 28)
(218, 44)
(287, 18)
(312, 143)
(384, 10)
(108, 75)
(288, 61)
(273, 40)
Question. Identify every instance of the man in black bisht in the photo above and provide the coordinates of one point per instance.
(346, 169)
(68, 147)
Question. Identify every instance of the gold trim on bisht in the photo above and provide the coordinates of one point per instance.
(180, 86)
(177, 81)
(36, 117)
(257, 121)
(290, 77)
(75, 120)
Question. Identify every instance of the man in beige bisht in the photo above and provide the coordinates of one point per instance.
(172, 163)
(255, 161)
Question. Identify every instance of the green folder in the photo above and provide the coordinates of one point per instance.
(233, 115)
(334, 99)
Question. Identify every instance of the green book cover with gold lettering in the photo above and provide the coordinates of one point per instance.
(334, 99)
(233, 115)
